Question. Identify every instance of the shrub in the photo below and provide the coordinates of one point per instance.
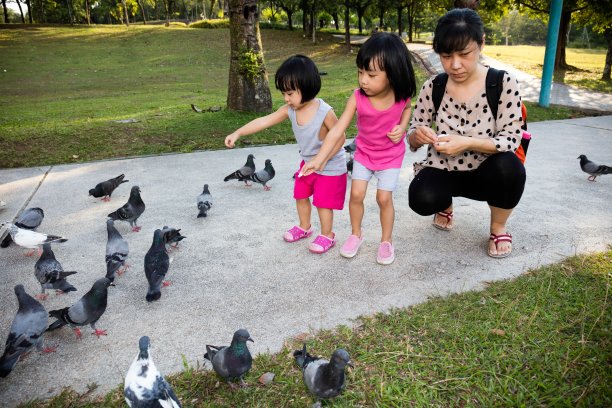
(217, 23)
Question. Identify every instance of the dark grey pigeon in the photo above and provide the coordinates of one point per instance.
(30, 219)
(30, 239)
(27, 331)
(117, 251)
(593, 169)
(156, 264)
(351, 147)
(87, 311)
(144, 385)
(204, 202)
(263, 176)
(130, 210)
(325, 379)
(233, 361)
(243, 173)
(51, 274)
(105, 189)
(172, 237)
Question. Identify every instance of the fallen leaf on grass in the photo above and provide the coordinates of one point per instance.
(498, 332)
(266, 378)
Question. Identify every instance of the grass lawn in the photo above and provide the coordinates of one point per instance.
(542, 339)
(64, 88)
(589, 64)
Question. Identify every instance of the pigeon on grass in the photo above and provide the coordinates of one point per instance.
(324, 379)
(117, 251)
(86, 310)
(105, 189)
(593, 169)
(31, 240)
(233, 361)
(51, 274)
(263, 176)
(156, 264)
(130, 210)
(172, 237)
(30, 219)
(144, 384)
(243, 173)
(204, 202)
(27, 331)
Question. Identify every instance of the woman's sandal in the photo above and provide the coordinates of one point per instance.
(449, 218)
(500, 238)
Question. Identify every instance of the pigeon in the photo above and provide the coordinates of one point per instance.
(30, 219)
(263, 176)
(593, 169)
(204, 202)
(172, 235)
(50, 274)
(196, 109)
(30, 239)
(156, 264)
(131, 210)
(324, 379)
(244, 172)
(117, 251)
(144, 385)
(232, 361)
(105, 189)
(27, 331)
(349, 165)
(87, 310)
(351, 147)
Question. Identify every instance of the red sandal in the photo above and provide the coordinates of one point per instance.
(500, 238)
(448, 216)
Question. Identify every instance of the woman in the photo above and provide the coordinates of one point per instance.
(472, 153)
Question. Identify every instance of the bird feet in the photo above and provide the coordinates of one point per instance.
(30, 252)
(78, 333)
(99, 332)
(123, 270)
(107, 199)
(591, 178)
(135, 229)
(166, 283)
(59, 292)
(49, 349)
(42, 296)
(267, 188)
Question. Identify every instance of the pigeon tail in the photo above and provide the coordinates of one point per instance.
(7, 363)
(302, 358)
(153, 295)
(59, 315)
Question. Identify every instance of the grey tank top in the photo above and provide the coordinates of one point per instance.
(307, 137)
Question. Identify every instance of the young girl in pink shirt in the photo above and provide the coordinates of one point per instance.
(382, 103)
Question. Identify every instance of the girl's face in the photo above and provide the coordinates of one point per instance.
(373, 81)
(460, 65)
(293, 98)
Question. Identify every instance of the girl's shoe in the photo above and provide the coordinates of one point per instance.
(386, 253)
(296, 233)
(322, 244)
(351, 246)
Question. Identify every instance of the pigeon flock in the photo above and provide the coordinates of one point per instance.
(144, 385)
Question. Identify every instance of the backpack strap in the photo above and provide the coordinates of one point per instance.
(494, 88)
(437, 92)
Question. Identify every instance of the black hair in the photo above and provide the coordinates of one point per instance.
(390, 54)
(456, 29)
(299, 73)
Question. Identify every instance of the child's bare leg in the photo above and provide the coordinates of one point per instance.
(326, 217)
(356, 208)
(304, 210)
(387, 213)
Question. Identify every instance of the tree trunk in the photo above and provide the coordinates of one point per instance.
(125, 12)
(290, 19)
(606, 72)
(381, 16)
(336, 22)
(142, 11)
(87, 13)
(21, 12)
(248, 88)
(69, 6)
(167, 9)
(5, 10)
(30, 18)
(313, 24)
(359, 18)
(399, 21)
(564, 26)
(347, 26)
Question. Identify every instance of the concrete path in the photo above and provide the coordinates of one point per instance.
(234, 270)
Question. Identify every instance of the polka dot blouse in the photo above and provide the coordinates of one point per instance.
(473, 119)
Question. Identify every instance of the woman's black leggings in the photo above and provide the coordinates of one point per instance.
(499, 180)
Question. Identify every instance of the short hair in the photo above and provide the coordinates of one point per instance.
(299, 73)
(390, 54)
(456, 29)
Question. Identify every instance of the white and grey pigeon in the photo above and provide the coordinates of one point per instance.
(233, 361)
(130, 210)
(243, 173)
(30, 239)
(204, 202)
(324, 379)
(172, 237)
(263, 176)
(86, 311)
(105, 189)
(593, 169)
(156, 264)
(144, 384)
(51, 274)
(117, 251)
(30, 219)
(27, 331)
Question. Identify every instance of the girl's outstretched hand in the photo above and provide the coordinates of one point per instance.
(309, 168)
(396, 133)
(230, 140)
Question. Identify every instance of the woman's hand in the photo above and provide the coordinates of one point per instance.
(451, 144)
(230, 140)
(423, 135)
(396, 133)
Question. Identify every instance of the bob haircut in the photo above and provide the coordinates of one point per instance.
(299, 73)
(456, 29)
(389, 53)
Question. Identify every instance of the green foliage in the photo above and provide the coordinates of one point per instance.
(273, 26)
(217, 23)
(250, 63)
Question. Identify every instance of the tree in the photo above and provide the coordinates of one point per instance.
(289, 7)
(360, 6)
(248, 88)
(599, 16)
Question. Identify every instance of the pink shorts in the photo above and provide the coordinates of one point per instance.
(326, 191)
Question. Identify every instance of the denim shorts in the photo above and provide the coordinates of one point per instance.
(387, 179)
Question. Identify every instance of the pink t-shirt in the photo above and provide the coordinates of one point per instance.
(374, 148)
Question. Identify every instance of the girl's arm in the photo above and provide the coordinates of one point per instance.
(330, 121)
(335, 137)
(397, 133)
(257, 125)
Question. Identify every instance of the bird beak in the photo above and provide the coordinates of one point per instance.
(112, 284)
(251, 340)
(350, 364)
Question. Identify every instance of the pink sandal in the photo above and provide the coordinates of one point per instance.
(322, 244)
(449, 218)
(500, 238)
(296, 233)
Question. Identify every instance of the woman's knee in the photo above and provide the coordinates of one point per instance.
(505, 167)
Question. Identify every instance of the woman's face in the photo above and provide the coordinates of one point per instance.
(460, 65)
